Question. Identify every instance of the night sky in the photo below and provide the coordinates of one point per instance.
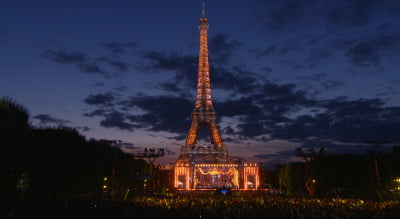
(284, 73)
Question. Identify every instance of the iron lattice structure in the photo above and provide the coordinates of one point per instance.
(204, 113)
(204, 167)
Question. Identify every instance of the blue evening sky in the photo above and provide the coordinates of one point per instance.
(284, 73)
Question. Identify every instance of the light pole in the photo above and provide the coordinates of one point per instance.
(309, 169)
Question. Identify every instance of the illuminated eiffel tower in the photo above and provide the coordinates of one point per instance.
(202, 167)
(204, 114)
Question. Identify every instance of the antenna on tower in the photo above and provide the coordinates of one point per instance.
(203, 9)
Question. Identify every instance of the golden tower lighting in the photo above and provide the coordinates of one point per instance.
(209, 167)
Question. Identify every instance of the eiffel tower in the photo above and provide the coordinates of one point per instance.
(203, 114)
(207, 167)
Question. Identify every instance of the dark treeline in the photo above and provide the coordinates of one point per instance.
(58, 163)
(369, 175)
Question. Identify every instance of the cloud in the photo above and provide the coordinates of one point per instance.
(276, 110)
(161, 113)
(118, 65)
(129, 146)
(251, 128)
(63, 57)
(228, 130)
(157, 113)
(235, 80)
(271, 112)
(267, 69)
(290, 52)
(183, 66)
(219, 44)
(262, 110)
(351, 13)
(275, 98)
(313, 78)
(91, 68)
(105, 99)
(161, 61)
(116, 119)
(170, 86)
(101, 66)
(179, 137)
(316, 55)
(236, 107)
(334, 15)
(273, 159)
(330, 84)
(289, 47)
(280, 154)
(221, 49)
(363, 29)
(48, 120)
(291, 55)
(359, 13)
(257, 98)
(45, 119)
(266, 52)
(118, 48)
(83, 128)
(278, 15)
(120, 88)
(99, 84)
(97, 112)
(343, 121)
(370, 52)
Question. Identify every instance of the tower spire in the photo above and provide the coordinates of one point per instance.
(203, 114)
(203, 9)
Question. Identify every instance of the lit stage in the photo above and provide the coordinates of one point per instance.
(204, 168)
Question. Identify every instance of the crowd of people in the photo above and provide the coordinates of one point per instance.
(192, 205)
(251, 205)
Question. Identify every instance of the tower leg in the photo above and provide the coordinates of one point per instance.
(214, 134)
(192, 136)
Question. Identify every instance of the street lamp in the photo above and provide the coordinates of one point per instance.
(397, 183)
(105, 187)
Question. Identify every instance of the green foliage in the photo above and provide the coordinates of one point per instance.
(13, 116)
(23, 182)
(348, 175)
(292, 179)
